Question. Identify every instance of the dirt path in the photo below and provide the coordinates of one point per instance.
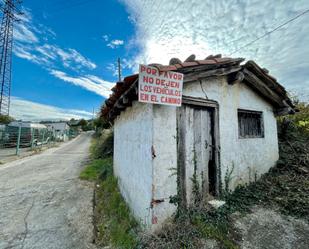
(267, 229)
(43, 204)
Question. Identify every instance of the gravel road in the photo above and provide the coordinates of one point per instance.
(43, 204)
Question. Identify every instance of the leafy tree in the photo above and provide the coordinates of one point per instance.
(86, 125)
(301, 118)
(101, 122)
(82, 123)
(297, 122)
(5, 119)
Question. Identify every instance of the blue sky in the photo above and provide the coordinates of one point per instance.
(65, 51)
(65, 54)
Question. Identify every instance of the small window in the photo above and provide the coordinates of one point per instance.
(250, 124)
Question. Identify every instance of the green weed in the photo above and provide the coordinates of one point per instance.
(102, 145)
(118, 225)
(114, 223)
(96, 168)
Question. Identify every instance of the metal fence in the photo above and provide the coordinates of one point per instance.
(17, 139)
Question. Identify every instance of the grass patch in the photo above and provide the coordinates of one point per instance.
(214, 232)
(113, 221)
(95, 168)
(116, 226)
(191, 229)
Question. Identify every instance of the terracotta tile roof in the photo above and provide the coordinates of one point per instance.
(188, 64)
(191, 66)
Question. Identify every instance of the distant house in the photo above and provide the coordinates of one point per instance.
(60, 130)
(75, 125)
(223, 135)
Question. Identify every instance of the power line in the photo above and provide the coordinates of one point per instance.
(271, 31)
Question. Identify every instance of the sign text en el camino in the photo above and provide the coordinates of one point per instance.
(158, 87)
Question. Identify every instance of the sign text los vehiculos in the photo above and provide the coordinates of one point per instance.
(157, 87)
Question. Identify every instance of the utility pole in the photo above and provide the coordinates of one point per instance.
(119, 70)
(10, 10)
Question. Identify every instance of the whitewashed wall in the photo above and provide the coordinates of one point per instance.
(142, 163)
(133, 160)
(251, 157)
(164, 162)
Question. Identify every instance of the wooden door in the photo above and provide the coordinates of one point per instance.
(195, 153)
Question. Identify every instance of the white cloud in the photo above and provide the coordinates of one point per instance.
(90, 82)
(22, 109)
(46, 51)
(27, 45)
(69, 58)
(113, 68)
(115, 43)
(25, 52)
(23, 34)
(125, 64)
(22, 52)
(78, 59)
(23, 30)
(105, 38)
(202, 27)
(130, 64)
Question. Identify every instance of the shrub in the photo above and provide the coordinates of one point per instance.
(103, 145)
(96, 168)
(4, 119)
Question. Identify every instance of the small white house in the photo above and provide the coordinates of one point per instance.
(60, 130)
(223, 135)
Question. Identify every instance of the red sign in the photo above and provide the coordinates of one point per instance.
(157, 87)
